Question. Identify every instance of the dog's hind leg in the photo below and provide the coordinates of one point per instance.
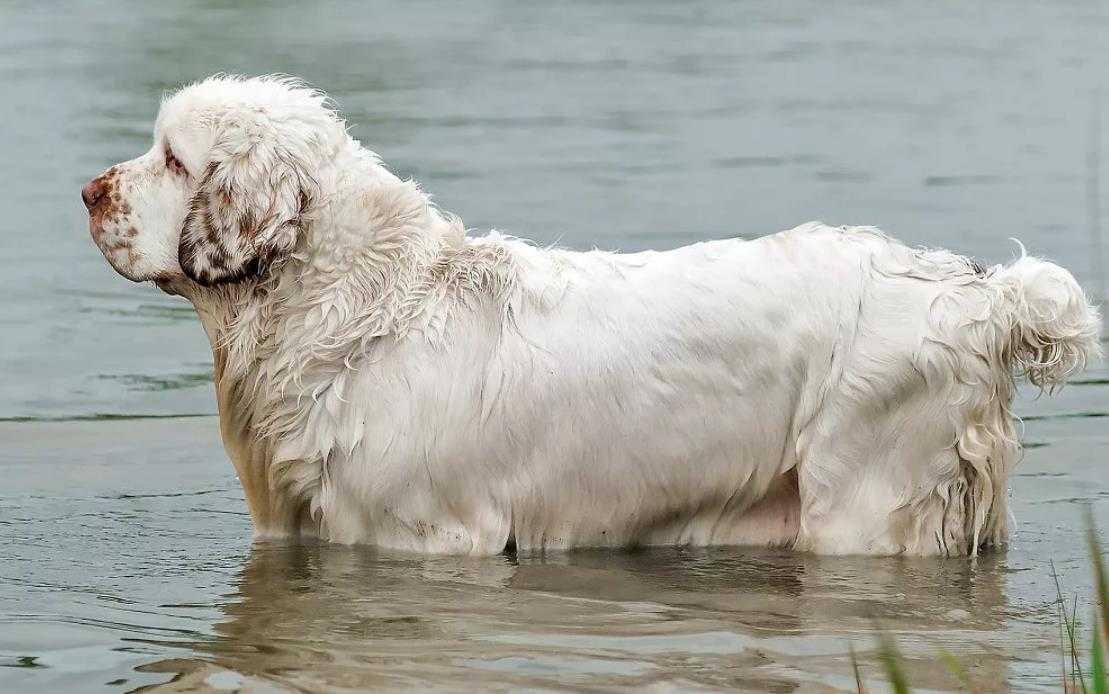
(891, 482)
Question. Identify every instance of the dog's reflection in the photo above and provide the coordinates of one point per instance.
(318, 615)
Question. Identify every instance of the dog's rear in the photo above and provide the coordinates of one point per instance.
(917, 428)
(1038, 324)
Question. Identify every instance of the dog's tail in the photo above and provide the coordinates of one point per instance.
(1053, 330)
(1029, 318)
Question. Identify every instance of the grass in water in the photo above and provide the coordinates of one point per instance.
(855, 667)
(1100, 646)
(1073, 677)
(1068, 639)
(890, 657)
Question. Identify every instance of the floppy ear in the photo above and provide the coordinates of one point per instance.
(248, 208)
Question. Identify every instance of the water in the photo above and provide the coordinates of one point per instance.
(125, 557)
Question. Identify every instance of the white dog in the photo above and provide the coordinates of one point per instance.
(384, 378)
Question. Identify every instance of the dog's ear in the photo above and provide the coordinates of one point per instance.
(249, 206)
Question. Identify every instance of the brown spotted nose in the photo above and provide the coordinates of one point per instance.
(94, 192)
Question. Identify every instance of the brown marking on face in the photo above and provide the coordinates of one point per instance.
(109, 225)
(108, 207)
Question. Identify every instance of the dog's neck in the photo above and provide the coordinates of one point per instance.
(366, 268)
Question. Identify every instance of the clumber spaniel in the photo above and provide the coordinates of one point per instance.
(384, 378)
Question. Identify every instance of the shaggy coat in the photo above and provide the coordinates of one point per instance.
(384, 378)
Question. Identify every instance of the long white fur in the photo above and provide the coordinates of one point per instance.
(391, 380)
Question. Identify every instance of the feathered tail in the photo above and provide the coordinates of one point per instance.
(1029, 318)
(1053, 328)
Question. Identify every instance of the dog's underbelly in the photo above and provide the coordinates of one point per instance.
(770, 521)
(723, 501)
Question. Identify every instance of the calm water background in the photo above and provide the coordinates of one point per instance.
(125, 557)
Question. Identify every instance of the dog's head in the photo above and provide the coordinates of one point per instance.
(224, 189)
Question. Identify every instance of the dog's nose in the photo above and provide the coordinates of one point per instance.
(93, 192)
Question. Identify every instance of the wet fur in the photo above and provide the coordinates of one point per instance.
(384, 378)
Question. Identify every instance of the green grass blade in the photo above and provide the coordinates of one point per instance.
(1100, 652)
(1074, 644)
(956, 668)
(1101, 578)
(1097, 659)
(855, 666)
(1062, 635)
(1070, 622)
(891, 661)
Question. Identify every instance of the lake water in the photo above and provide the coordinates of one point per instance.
(125, 552)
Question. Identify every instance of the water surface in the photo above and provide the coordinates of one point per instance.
(125, 553)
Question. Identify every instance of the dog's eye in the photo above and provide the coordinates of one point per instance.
(172, 164)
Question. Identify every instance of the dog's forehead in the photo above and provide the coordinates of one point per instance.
(187, 123)
(188, 110)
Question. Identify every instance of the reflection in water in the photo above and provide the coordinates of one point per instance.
(310, 616)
